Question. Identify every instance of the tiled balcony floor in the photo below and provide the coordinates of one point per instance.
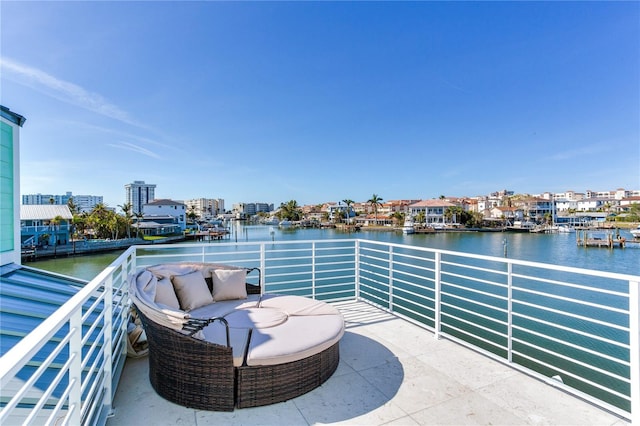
(391, 372)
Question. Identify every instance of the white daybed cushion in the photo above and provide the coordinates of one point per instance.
(192, 290)
(228, 284)
(220, 309)
(238, 338)
(256, 318)
(297, 305)
(297, 338)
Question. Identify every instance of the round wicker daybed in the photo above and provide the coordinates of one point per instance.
(215, 342)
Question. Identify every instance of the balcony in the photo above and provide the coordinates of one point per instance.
(432, 337)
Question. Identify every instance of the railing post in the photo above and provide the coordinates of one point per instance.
(509, 311)
(313, 270)
(391, 278)
(108, 341)
(436, 290)
(634, 349)
(75, 367)
(263, 263)
(356, 250)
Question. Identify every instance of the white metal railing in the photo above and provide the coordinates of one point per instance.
(574, 328)
(66, 370)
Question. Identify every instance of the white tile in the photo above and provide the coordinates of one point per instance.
(390, 372)
(468, 409)
(284, 413)
(540, 403)
(347, 399)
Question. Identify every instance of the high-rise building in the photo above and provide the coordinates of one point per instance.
(83, 203)
(139, 194)
(205, 208)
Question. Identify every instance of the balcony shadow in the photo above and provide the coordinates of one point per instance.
(368, 377)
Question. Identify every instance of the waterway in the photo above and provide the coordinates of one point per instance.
(557, 249)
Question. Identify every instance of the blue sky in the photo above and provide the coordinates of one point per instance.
(320, 101)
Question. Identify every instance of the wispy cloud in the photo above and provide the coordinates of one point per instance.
(62, 90)
(578, 152)
(135, 148)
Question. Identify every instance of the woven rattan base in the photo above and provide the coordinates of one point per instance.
(198, 374)
(264, 385)
(188, 371)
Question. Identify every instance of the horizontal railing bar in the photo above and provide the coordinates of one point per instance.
(418, 296)
(46, 395)
(93, 327)
(473, 279)
(581, 317)
(407, 274)
(482, 327)
(98, 361)
(572, 360)
(87, 356)
(475, 291)
(58, 408)
(482, 339)
(474, 313)
(475, 302)
(575, 376)
(571, 285)
(570, 299)
(572, 330)
(397, 261)
(473, 268)
(572, 345)
(99, 298)
(28, 384)
(418, 302)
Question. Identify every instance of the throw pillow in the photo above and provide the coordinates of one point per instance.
(229, 284)
(165, 293)
(192, 290)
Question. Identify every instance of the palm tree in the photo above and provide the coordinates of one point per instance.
(128, 216)
(421, 217)
(349, 203)
(72, 206)
(375, 201)
(290, 210)
(398, 217)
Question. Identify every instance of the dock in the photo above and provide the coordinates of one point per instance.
(599, 239)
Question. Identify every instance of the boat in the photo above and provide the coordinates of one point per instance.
(285, 223)
(408, 228)
(635, 232)
(270, 221)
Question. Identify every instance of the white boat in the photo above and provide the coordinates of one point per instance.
(285, 223)
(408, 228)
(635, 232)
(270, 221)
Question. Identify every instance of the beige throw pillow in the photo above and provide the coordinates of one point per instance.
(229, 284)
(192, 290)
(165, 293)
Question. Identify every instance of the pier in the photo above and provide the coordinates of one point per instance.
(598, 239)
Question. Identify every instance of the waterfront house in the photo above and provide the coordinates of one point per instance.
(38, 226)
(509, 214)
(340, 211)
(158, 225)
(165, 207)
(434, 210)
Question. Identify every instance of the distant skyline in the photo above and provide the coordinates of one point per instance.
(323, 101)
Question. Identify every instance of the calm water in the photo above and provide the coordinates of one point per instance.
(559, 249)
